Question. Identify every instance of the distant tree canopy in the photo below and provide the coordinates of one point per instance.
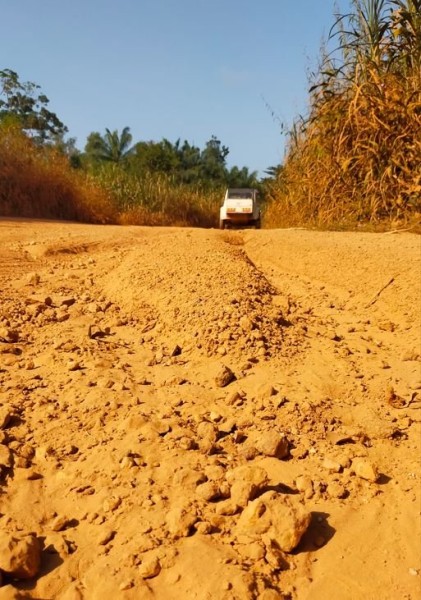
(27, 105)
(183, 161)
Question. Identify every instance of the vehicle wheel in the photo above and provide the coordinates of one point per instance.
(258, 224)
(222, 224)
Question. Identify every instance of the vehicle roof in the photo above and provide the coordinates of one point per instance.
(241, 190)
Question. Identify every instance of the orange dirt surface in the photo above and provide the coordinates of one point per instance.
(205, 414)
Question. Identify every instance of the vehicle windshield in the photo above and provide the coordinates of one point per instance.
(240, 195)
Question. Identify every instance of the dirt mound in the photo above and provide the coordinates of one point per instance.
(212, 299)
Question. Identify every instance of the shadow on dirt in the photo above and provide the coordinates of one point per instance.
(50, 560)
(318, 534)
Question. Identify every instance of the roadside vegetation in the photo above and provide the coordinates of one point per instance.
(356, 158)
(353, 160)
(43, 175)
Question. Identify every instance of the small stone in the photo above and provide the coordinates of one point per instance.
(20, 556)
(234, 398)
(106, 537)
(74, 365)
(266, 391)
(176, 351)
(68, 301)
(59, 523)
(336, 490)
(150, 568)
(272, 443)
(224, 377)
(214, 416)
(413, 572)
(320, 541)
(6, 416)
(365, 469)
(275, 557)
(6, 458)
(208, 491)
(304, 484)
(246, 324)
(227, 508)
(180, 521)
(203, 527)
(8, 335)
(332, 465)
(126, 585)
(251, 550)
(111, 504)
(246, 481)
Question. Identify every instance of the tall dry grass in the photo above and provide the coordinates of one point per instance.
(157, 199)
(37, 182)
(357, 157)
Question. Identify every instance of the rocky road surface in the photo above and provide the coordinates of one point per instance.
(208, 415)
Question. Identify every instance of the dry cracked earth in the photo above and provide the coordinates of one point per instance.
(196, 414)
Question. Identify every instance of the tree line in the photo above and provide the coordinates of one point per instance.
(186, 163)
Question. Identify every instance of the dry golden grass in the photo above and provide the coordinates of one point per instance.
(358, 160)
(38, 183)
(357, 157)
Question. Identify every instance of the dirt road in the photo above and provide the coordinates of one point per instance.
(212, 415)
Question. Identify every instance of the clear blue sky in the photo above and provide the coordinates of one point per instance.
(171, 68)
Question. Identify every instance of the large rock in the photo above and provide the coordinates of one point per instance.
(20, 556)
(274, 516)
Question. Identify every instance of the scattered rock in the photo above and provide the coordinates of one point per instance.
(106, 537)
(149, 568)
(59, 523)
(337, 490)
(6, 415)
(227, 508)
(274, 514)
(208, 491)
(176, 351)
(246, 481)
(332, 465)
(9, 336)
(6, 457)
(304, 484)
(20, 556)
(224, 377)
(365, 469)
(180, 521)
(272, 443)
(246, 324)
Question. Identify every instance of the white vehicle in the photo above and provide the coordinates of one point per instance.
(240, 209)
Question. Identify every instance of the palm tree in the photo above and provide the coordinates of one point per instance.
(111, 147)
